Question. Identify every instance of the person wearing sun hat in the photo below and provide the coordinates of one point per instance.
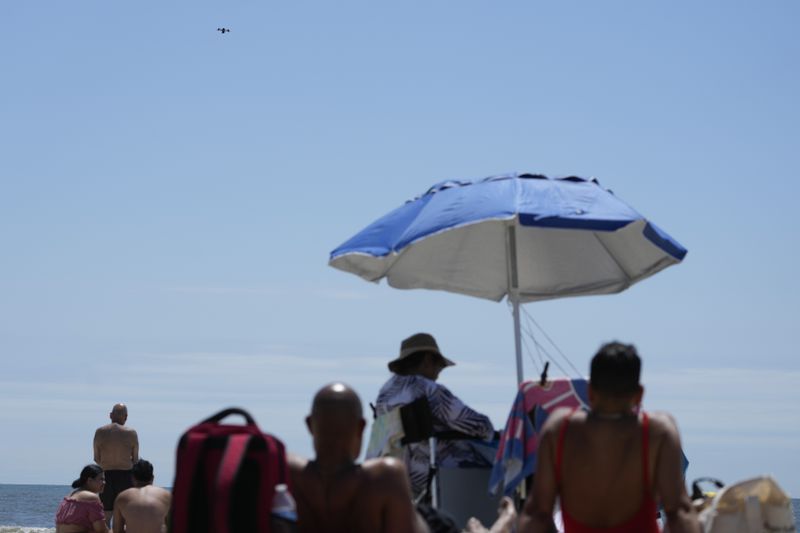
(419, 355)
(415, 372)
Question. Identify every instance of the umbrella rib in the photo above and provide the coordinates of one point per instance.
(619, 266)
(589, 288)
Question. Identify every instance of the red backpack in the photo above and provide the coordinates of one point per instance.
(225, 477)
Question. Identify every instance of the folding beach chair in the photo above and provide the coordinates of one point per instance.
(417, 421)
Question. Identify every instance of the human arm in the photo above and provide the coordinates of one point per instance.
(134, 446)
(96, 447)
(167, 520)
(96, 515)
(506, 517)
(420, 526)
(168, 515)
(91, 514)
(452, 412)
(537, 515)
(397, 514)
(670, 488)
(296, 465)
(505, 523)
(119, 520)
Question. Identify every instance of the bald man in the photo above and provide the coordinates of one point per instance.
(334, 494)
(116, 448)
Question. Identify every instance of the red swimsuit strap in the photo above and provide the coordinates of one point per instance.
(560, 446)
(645, 451)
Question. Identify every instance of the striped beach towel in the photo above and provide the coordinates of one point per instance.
(516, 453)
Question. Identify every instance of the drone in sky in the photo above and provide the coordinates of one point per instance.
(223, 31)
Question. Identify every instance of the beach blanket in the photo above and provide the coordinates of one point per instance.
(516, 453)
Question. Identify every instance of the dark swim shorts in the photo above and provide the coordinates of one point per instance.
(116, 482)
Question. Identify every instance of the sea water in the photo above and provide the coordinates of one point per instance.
(32, 508)
(29, 508)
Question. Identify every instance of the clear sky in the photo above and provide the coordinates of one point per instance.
(169, 196)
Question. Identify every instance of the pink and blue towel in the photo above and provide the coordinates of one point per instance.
(516, 453)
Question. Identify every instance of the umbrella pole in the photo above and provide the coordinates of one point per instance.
(517, 341)
(513, 292)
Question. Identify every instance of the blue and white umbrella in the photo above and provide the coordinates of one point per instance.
(520, 236)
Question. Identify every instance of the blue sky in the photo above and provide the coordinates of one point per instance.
(169, 196)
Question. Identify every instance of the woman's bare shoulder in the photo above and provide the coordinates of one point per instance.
(558, 416)
(85, 496)
(662, 424)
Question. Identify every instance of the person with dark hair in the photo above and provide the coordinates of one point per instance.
(334, 493)
(116, 448)
(416, 370)
(144, 507)
(610, 467)
(82, 511)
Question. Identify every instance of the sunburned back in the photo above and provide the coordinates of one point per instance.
(144, 509)
(369, 498)
(344, 503)
(602, 478)
(115, 447)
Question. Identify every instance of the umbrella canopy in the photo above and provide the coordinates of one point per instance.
(521, 236)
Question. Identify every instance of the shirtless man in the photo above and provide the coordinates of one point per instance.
(611, 466)
(143, 508)
(116, 448)
(334, 494)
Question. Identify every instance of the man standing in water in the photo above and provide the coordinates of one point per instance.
(334, 493)
(144, 507)
(116, 448)
(610, 467)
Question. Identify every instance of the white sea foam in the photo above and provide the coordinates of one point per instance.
(23, 529)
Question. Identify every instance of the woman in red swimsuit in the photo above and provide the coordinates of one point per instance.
(82, 510)
(610, 467)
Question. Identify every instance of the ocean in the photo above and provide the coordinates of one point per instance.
(31, 508)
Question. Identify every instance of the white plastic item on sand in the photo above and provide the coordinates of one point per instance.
(755, 505)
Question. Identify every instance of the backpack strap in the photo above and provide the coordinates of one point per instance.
(228, 469)
(217, 418)
(283, 466)
(273, 471)
(184, 480)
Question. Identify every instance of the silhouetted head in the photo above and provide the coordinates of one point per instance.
(91, 478)
(119, 413)
(615, 371)
(142, 472)
(336, 423)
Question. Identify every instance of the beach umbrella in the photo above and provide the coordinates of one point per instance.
(523, 237)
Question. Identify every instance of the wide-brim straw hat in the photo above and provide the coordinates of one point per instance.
(419, 342)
